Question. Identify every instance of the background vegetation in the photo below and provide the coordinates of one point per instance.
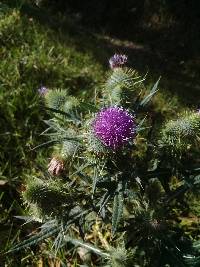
(52, 43)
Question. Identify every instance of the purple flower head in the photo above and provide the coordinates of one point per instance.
(117, 61)
(114, 127)
(198, 111)
(42, 91)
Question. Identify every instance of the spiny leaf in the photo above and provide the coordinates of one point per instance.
(196, 245)
(192, 261)
(88, 107)
(88, 246)
(47, 230)
(59, 239)
(27, 219)
(104, 200)
(117, 208)
(48, 143)
(43, 234)
(95, 179)
(151, 94)
(139, 126)
(58, 111)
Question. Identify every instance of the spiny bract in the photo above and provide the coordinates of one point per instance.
(55, 99)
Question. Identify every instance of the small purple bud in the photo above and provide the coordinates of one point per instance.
(114, 127)
(42, 91)
(118, 61)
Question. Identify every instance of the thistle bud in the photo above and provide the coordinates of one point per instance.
(117, 61)
(156, 225)
(42, 91)
(183, 132)
(56, 166)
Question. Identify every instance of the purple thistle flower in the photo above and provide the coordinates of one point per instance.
(42, 91)
(114, 127)
(117, 61)
(198, 111)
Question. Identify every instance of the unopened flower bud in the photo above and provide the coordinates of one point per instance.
(56, 166)
(42, 91)
(117, 61)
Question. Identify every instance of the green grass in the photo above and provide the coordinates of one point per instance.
(31, 56)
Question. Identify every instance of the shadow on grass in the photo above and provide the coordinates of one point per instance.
(170, 52)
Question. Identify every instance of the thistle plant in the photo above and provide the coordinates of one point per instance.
(95, 174)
